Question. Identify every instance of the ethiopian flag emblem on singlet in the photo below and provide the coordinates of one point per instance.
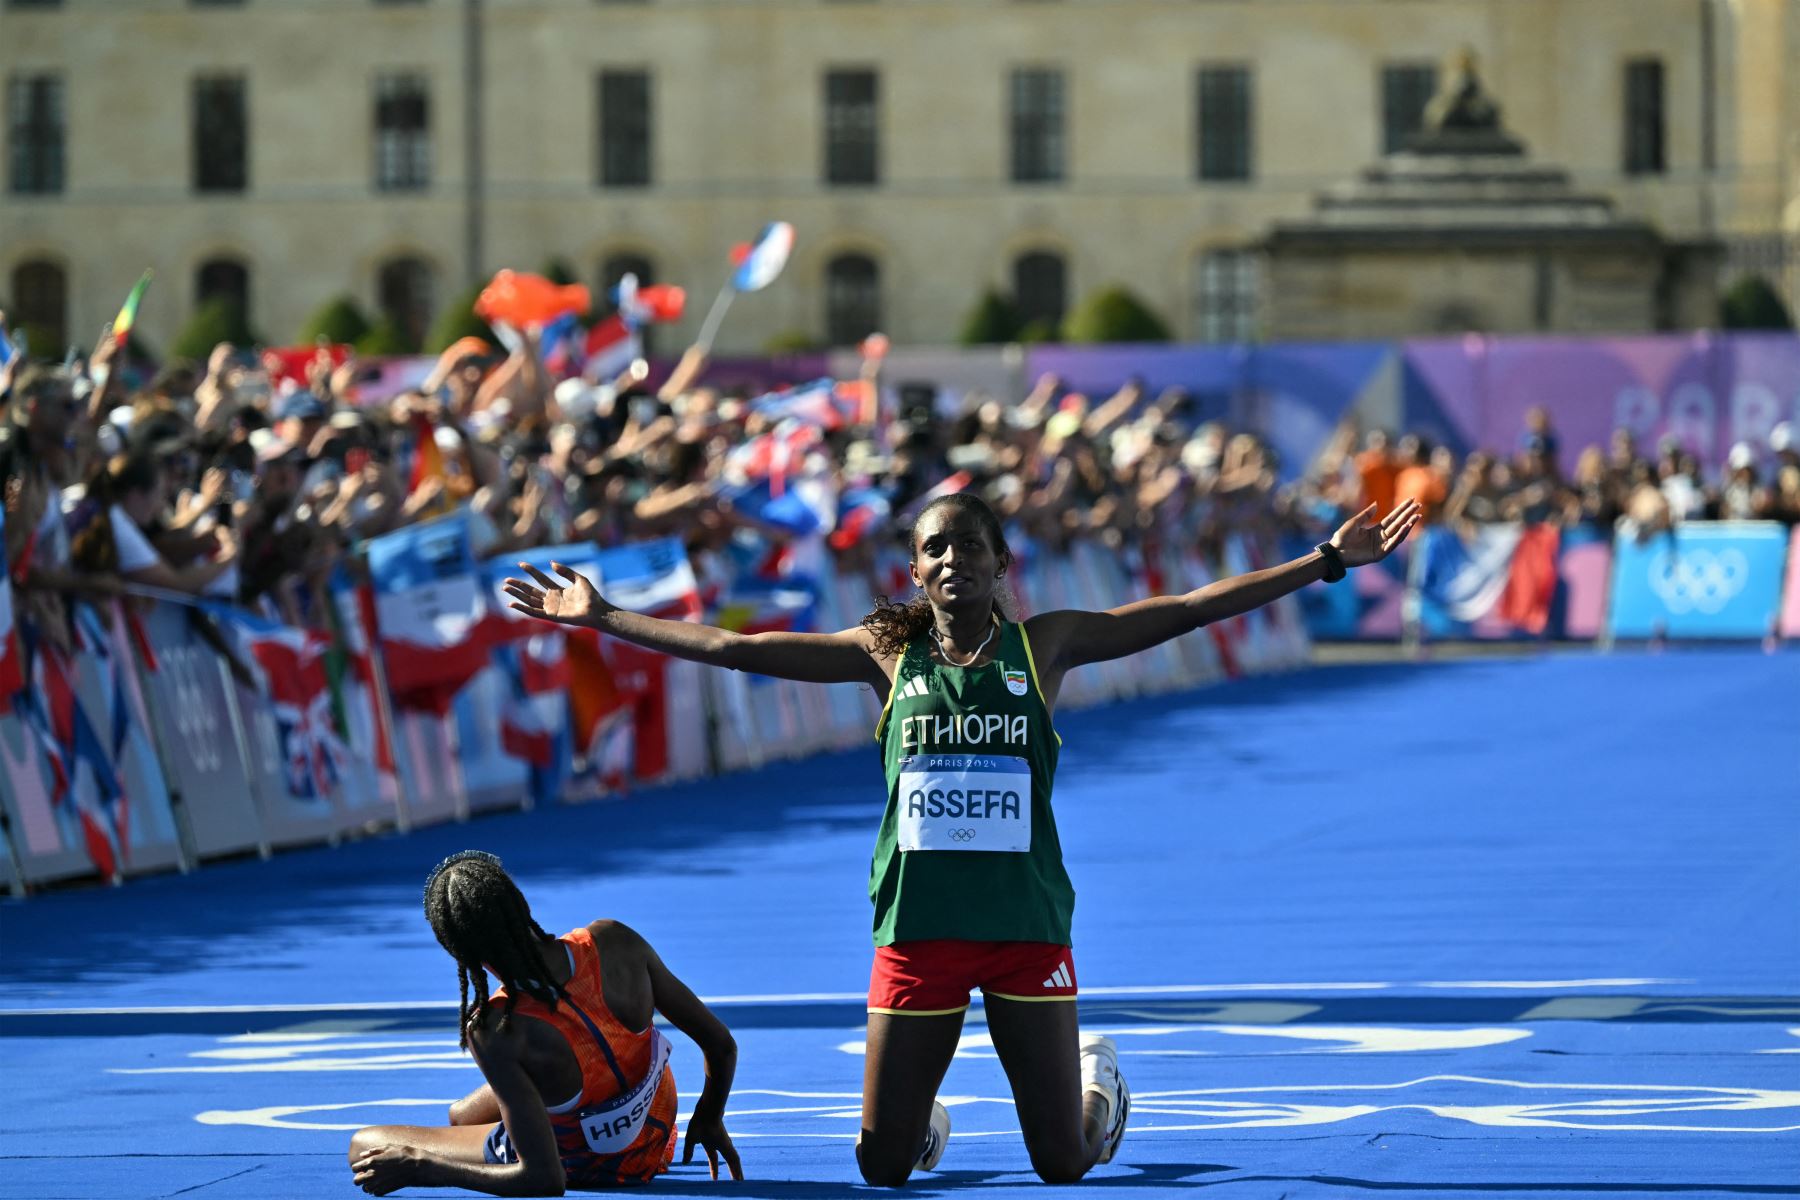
(1015, 682)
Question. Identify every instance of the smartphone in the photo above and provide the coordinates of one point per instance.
(355, 459)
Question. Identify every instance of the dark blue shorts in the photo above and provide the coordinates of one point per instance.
(499, 1147)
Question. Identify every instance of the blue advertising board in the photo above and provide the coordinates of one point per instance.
(1720, 579)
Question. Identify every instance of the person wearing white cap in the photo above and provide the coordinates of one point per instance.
(1741, 496)
(1781, 442)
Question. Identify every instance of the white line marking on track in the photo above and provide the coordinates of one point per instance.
(1172, 989)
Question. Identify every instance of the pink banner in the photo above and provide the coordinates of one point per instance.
(1790, 604)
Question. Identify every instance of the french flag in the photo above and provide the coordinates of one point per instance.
(431, 615)
(821, 403)
(95, 797)
(534, 720)
(611, 346)
(861, 512)
(562, 346)
(753, 605)
(771, 456)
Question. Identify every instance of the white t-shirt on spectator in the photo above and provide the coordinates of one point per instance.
(135, 550)
(1686, 500)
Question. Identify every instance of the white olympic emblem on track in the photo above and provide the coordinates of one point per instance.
(1698, 580)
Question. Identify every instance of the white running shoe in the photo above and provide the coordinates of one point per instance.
(1100, 1073)
(937, 1136)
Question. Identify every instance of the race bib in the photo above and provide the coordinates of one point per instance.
(612, 1127)
(965, 802)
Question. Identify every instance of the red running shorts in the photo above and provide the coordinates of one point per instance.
(934, 977)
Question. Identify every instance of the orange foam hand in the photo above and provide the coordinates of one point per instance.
(523, 300)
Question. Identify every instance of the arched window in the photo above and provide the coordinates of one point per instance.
(615, 268)
(852, 299)
(40, 296)
(1040, 288)
(223, 279)
(404, 288)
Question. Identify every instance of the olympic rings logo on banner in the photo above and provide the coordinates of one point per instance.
(1698, 580)
(962, 835)
(195, 720)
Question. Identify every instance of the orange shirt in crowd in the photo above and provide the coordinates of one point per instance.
(1376, 469)
(1423, 484)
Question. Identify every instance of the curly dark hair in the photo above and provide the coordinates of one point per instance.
(480, 916)
(893, 624)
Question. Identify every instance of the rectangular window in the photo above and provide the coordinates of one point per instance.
(1644, 133)
(624, 128)
(1037, 125)
(1224, 122)
(1227, 296)
(221, 134)
(852, 127)
(34, 134)
(1406, 88)
(402, 133)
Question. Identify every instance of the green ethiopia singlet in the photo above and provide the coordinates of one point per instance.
(968, 845)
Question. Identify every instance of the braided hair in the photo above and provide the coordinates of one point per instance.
(894, 624)
(480, 917)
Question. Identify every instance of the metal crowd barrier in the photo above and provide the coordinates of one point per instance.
(177, 734)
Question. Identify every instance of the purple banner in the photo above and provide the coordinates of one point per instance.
(1707, 391)
(1293, 396)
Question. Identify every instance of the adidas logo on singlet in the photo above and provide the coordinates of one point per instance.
(1061, 979)
(912, 687)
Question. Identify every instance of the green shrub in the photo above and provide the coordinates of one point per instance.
(993, 321)
(339, 322)
(1113, 314)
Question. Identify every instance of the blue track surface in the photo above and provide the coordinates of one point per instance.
(1509, 927)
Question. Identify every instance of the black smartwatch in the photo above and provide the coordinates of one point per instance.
(1334, 562)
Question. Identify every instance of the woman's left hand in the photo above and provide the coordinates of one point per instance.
(709, 1134)
(387, 1170)
(1365, 538)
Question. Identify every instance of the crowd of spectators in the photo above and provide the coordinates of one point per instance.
(221, 481)
(1616, 487)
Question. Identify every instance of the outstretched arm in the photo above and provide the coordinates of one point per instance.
(1070, 638)
(844, 657)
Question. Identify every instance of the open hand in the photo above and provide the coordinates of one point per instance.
(1365, 539)
(385, 1170)
(574, 603)
(710, 1136)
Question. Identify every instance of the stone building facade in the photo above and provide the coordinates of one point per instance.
(289, 151)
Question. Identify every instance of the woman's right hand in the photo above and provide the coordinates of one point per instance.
(575, 603)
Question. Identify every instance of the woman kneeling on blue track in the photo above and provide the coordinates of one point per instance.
(590, 995)
(968, 879)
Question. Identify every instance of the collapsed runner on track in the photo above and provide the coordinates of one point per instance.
(587, 999)
(967, 879)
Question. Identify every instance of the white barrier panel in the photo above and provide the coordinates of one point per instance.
(425, 752)
(192, 716)
(492, 777)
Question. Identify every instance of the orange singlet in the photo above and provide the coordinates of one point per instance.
(621, 1128)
